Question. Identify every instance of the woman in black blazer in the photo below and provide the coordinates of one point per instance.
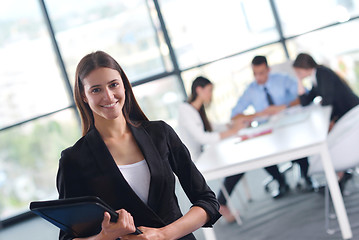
(118, 137)
(333, 90)
(327, 84)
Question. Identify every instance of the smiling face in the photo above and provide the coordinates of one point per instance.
(104, 93)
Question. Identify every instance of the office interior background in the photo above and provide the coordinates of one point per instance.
(162, 46)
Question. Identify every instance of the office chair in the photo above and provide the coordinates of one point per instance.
(342, 143)
(343, 147)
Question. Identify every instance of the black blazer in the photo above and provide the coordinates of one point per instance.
(88, 169)
(333, 90)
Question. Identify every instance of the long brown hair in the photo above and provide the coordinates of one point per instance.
(200, 82)
(305, 61)
(99, 59)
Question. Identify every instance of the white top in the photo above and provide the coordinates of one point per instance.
(138, 177)
(191, 130)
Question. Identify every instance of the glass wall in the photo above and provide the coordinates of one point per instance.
(31, 83)
(160, 99)
(341, 53)
(216, 39)
(122, 28)
(29, 157)
(197, 27)
(298, 17)
(230, 78)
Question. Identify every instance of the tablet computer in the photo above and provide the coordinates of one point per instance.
(81, 216)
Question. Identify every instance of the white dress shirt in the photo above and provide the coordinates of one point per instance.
(191, 130)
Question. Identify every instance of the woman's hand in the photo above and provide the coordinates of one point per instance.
(147, 234)
(124, 225)
(191, 221)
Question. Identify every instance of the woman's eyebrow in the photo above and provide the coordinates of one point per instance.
(114, 80)
(94, 86)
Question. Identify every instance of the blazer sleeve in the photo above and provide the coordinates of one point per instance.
(327, 82)
(68, 183)
(306, 98)
(69, 179)
(192, 181)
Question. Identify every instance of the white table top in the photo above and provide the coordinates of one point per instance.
(294, 132)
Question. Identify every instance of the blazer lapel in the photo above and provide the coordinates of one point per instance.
(155, 164)
(121, 190)
(111, 175)
(102, 155)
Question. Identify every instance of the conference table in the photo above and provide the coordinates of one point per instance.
(292, 134)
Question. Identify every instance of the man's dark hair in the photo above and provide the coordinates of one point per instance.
(259, 60)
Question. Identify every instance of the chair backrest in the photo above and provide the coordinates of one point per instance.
(344, 126)
(343, 144)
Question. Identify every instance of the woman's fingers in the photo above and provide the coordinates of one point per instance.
(106, 219)
(125, 219)
(123, 226)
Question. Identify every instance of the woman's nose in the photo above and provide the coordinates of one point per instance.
(108, 95)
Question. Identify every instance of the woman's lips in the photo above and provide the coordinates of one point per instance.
(110, 105)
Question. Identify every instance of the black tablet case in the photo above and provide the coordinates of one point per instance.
(81, 217)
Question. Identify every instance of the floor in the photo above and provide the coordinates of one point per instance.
(297, 216)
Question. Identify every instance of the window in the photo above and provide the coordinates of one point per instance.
(340, 53)
(204, 30)
(160, 99)
(216, 39)
(305, 15)
(122, 28)
(230, 78)
(31, 83)
(29, 157)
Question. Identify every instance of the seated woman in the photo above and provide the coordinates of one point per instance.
(196, 131)
(327, 84)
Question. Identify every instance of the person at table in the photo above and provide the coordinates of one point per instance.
(196, 131)
(129, 161)
(333, 90)
(269, 94)
(327, 84)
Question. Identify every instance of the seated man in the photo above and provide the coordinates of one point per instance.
(269, 94)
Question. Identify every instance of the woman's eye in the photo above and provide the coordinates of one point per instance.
(95, 90)
(113, 85)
